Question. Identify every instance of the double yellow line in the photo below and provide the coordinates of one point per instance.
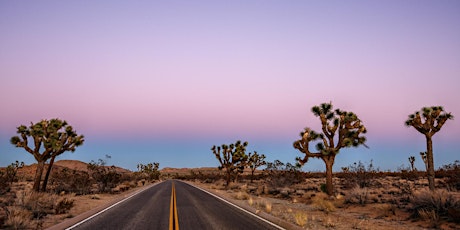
(173, 218)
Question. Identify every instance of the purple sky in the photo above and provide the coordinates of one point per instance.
(163, 81)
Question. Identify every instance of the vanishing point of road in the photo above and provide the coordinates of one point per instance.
(174, 205)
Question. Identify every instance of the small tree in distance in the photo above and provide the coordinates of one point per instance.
(254, 161)
(412, 161)
(50, 138)
(149, 171)
(346, 125)
(429, 121)
(232, 159)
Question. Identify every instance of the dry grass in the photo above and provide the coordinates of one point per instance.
(357, 195)
(242, 195)
(250, 201)
(429, 215)
(301, 218)
(321, 202)
(440, 201)
(18, 218)
(268, 206)
(329, 223)
(385, 210)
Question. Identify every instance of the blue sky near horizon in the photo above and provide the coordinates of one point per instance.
(163, 81)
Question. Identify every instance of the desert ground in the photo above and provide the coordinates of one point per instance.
(363, 200)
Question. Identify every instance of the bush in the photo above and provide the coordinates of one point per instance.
(434, 204)
(242, 195)
(106, 178)
(321, 202)
(282, 175)
(70, 181)
(301, 218)
(452, 172)
(18, 218)
(63, 205)
(359, 174)
(357, 195)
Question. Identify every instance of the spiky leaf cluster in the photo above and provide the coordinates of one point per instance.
(54, 136)
(346, 125)
(429, 120)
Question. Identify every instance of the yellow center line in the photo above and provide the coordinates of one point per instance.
(173, 218)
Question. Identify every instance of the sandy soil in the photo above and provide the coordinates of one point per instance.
(369, 216)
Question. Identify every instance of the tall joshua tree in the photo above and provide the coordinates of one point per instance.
(232, 158)
(50, 138)
(255, 160)
(346, 125)
(429, 121)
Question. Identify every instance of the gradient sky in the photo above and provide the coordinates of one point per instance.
(163, 81)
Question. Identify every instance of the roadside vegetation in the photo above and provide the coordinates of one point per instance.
(360, 196)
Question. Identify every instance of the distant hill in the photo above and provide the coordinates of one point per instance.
(72, 164)
(182, 171)
(28, 171)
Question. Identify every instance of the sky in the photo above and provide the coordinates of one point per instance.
(164, 81)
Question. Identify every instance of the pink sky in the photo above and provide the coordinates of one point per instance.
(203, 70)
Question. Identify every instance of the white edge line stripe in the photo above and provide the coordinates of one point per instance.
(242, 209)
(111, 206)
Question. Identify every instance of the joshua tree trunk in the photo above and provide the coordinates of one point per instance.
(45, 182)
(38, 176)
(429, 156)
(329, 185)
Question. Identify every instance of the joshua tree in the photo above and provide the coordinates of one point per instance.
(51, 137)
(348, 127)
(429, 121)
(411, 161)
(232, 158)
(254, 161)
(150, 170)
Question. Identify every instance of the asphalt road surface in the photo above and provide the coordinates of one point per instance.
(192, 209)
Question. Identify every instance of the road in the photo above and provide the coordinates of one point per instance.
(173, 205)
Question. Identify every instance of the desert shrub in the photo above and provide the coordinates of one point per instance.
(359, 174)
(321, 202)
(407, 173)
(63, 205)
(429, 215)
(4, 185)
(106, 178)
(18, 218)
(279, 174)
(429, 203)
(9, 175)
(452, 173)
(301, 218)
(385, 210)
(42, 204)
(268, 206)
(242, 195)
(322, 188)
(357, 195)
(12, 170)
(70, 181)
